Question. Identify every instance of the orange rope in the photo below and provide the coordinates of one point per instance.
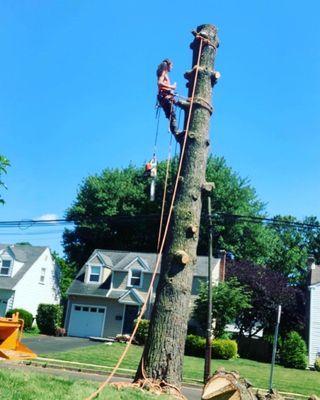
(143, 308)
(165, 184)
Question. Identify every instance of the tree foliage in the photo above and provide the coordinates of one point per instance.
(4, 164)
(229, 300)
(106, 204)
(268, 289)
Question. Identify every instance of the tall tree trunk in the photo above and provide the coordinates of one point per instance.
(163, 354)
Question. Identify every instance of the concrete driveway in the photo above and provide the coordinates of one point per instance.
(43, 344)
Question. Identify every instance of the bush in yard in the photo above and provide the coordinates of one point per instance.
(195, 345)
(317, 364)
(49, 318)
(23, 314)
(224, 349)
(142, 331)
(293, 351)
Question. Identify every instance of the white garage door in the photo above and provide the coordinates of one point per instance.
(86, 320)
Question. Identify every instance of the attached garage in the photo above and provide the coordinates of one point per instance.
(86, 320)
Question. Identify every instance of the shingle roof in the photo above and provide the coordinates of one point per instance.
(117, 261)
(315, 275)
(26, 254)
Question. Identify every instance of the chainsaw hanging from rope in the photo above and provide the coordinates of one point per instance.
(151, 172)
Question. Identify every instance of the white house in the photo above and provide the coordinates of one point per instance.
(28, 276)
(314, 321)
(110, 288)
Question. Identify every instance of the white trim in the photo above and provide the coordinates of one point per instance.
(140, 300)
(96, 253)
(90, 305)
(89, 273)
(130, 277)
(123, 315)
(9, 274)
(143, 264)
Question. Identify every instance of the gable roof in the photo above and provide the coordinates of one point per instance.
(118, 261)
(315, 275)
(25, 254)
(121, 259)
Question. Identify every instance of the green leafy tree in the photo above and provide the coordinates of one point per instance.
(106, 203)
(68, 272)
(293, 352)
(4, 164)
(229, 300)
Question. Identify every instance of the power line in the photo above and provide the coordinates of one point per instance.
(236, 218)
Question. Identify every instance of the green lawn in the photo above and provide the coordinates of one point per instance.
(17, 385)
(285, 379)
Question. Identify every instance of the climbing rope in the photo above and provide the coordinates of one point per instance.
(144, 306)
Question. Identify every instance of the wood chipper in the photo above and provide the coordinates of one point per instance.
(11, 347)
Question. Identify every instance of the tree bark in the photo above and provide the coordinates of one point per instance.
(163, 354)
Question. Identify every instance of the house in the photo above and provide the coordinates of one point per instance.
(28, 277)
(110, 288)
(314, 320)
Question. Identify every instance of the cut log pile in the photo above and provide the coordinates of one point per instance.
(224, 385)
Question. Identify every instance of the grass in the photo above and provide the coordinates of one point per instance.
(285, 379)
(34, 331)
(17, 385)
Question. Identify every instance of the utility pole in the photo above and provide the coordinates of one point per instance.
(274, 350)
(208, 352)
(162, 359)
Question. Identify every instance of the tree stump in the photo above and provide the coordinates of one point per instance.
(224, 385)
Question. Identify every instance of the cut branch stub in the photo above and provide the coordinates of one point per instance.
(182, 257)
(191, 230)
(207, 187)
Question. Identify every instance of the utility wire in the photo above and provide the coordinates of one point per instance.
(236, 218)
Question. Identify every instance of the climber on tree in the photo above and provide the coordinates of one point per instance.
(166, 94)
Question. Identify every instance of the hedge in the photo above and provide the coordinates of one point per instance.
(293, 353)
(49, 318)
(224, 349)
(142, 331)
(23, 314)
(317, 364)
(221, 348)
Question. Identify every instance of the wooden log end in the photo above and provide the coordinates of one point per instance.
(182, 257)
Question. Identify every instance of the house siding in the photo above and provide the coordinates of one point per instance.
(29, 292)
(314, 332)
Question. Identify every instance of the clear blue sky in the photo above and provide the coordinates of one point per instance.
(77, 94)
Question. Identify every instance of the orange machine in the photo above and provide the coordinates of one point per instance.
(11, 347)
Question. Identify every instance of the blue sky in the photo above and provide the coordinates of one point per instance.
(77, 94)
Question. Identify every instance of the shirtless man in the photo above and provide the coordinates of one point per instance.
(165, 94)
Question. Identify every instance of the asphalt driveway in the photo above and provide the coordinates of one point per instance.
(43, 344)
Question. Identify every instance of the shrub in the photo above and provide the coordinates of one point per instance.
(195, 346)
(293, 351)
(142, 331)
(23, 314)
(224, 349)
(317, 364)
(49, 318)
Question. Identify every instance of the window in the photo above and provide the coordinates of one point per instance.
(42, 275)
(5, 267)
(135, 277)
(94, 274)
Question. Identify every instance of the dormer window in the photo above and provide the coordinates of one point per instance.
(94, 274)
(5, 267)
(135, 276)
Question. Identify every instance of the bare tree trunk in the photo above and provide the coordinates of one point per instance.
(163, 354)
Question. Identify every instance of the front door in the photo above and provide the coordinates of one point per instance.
(130, 315)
